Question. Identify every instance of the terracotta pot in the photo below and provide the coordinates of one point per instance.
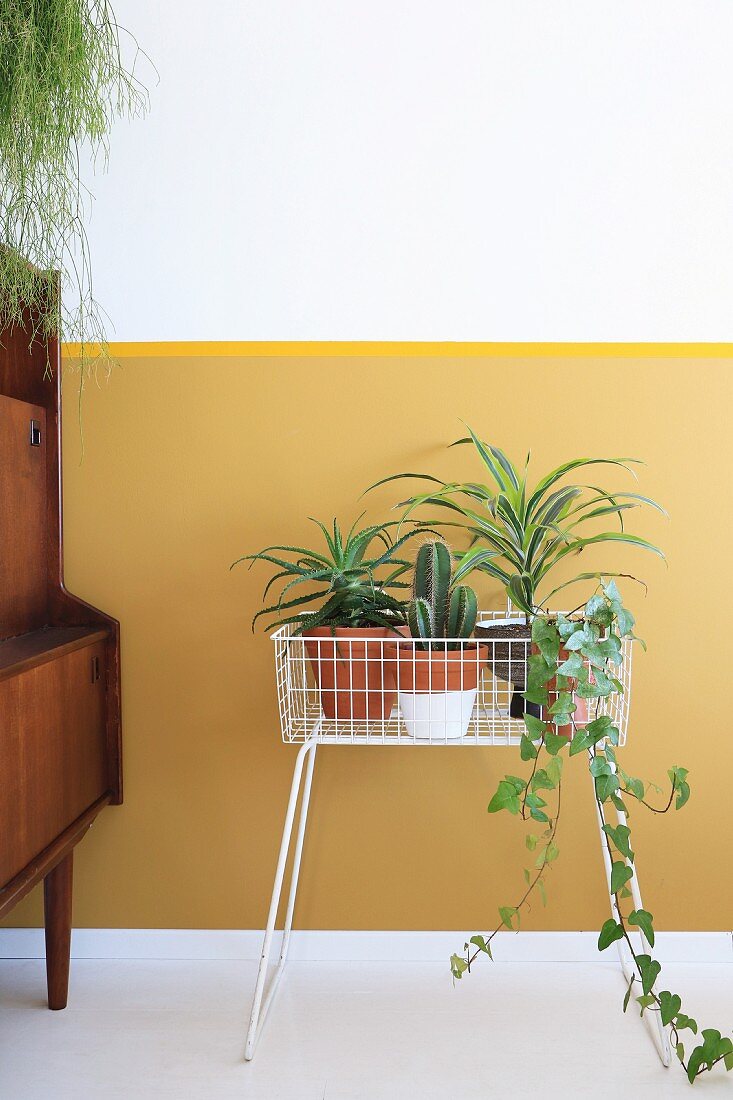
(355, 673)
(437, 689)
(437, 670)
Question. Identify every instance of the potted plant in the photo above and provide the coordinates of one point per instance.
(520, 533)
(347, 610)
(64, 85)
(438, 673)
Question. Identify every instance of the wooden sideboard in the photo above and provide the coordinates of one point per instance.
(60, 759)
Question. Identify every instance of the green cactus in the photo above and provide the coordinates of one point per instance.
(438, 609)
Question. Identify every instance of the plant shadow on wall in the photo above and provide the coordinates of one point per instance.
(566, 671)
(63, 83)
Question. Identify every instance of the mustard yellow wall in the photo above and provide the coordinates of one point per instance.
(191, 462)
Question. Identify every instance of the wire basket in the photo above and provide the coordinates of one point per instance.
(375, 688)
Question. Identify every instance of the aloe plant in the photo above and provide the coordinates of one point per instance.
(439, 608)
(519, 533)
(347, 586)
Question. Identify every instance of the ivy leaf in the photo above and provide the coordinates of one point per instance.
(649, 968)
(643, 919)
(458, 966)
(527, 751)
(535, 800)
(508, 913)
(563, 704)
(572, 666)
(599, 727)
(554, 769)
(620, 835)
(600, 766)
(535, 727)
(682, 795)
(565, 626)
(684, 1022)
(480, 942)
(646, 1002)
(541, 780)
(554, 742)
(604, 685)
(694, 1063)
(610, 932)
(714, 1046)
(599, 610)
(610, 647)
(505, 798)
(539, 671)
(581, 741)
(531, 841)
(606, 785)
(669, 1006)
(620, 875)
(635, 786)
(539, 695)
(547, 639)
(595, 655)
(624, 621)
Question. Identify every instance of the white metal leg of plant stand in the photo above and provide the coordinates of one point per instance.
(658, 1031)
(260, 1009)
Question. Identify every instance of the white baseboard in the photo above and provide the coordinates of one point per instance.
(342, 946)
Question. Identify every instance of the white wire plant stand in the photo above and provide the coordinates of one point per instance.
(353, 689)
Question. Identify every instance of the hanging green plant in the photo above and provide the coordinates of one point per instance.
(581, 658)
(63, 82)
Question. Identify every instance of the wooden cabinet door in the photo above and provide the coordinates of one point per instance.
(52, 752)
(23, 518)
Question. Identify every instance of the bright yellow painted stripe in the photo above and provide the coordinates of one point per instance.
(424, 349)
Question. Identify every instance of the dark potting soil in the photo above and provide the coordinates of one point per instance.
(508, 655)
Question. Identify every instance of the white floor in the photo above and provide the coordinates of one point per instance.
(344, 1031)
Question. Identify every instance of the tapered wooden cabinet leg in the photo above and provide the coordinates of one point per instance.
(57, 889)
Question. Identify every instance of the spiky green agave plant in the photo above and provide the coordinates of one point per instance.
(62, 84)
(520, 533)
(438, 608)
(347, 585)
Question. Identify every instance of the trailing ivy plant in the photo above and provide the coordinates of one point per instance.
(581, 658)
(62, 84)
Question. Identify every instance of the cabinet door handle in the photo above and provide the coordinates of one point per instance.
(95, 669)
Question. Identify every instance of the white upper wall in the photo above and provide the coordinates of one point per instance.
(423, 169)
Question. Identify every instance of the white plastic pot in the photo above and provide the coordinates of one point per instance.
(437, 716)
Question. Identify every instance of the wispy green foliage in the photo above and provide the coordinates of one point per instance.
(62, 84)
